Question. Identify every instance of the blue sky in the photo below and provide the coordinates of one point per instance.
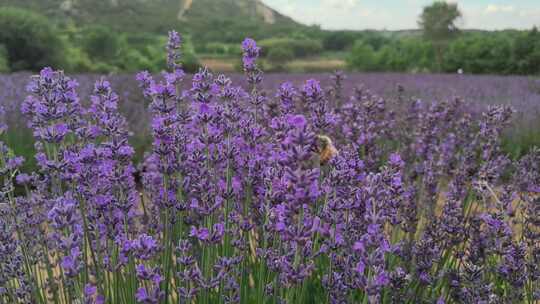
(403, 14)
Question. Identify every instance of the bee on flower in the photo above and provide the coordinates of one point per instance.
(325, 149)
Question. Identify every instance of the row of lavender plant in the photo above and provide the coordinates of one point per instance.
(244, 198)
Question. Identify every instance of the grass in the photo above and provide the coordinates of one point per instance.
(219, 64)
(521, 139)
(323, 63)
(317, 64)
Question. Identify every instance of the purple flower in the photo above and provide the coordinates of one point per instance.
(312, 91)
(297, 121)
(90, 290)
(145, 297)
(249, 59)
(200, 233)
(287, 94)
(145, 247)
(71, 265)
(173, 53)
(23, 179)
(360, 267)
(250, 48)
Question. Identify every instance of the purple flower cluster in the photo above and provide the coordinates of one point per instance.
(247, 196)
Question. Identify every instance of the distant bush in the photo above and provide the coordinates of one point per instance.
(100, 43)
(300, 48)
(279, 57)
(339, 40)
(189, 59)
(4, 62)
(406, 55)
(525, 47)
(234, 50)
(141, 41)
(78, 60)
(479, 55)
(30, 40)
(190, 62)
(103, 68)
(344, 40)
(362, 57)
(216, 48)
(133, 61)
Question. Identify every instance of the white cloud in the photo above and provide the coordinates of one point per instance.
(530, 13)
(366, 13)
(494, 8)
(288, 9)
(339, 4)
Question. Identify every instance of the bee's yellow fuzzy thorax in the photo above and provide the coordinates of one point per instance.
(326, 149)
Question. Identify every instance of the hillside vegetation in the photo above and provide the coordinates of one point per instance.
(159, 16)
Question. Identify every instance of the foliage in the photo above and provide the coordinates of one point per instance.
(227, 21)
(78, 60)
(480, 54)
(527, 52)
(100, 43)
(339, 40)
(406, 55)
(30, 40)
(215, 48)
(190, 62)
(298, 47)
(278, 57)
(506, 52)
(362, 57)
(100, 47)
(438, 22)
(4, 63)
(133, 60)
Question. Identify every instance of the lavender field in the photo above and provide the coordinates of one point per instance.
(522, 92)
(359, 188)
(478, 92)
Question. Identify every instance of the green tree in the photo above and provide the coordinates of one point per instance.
(438, 21)
(30, 40)
(100, 43)
(339, 40)
(133, 61)
(406, 54)
(362, 57)
(480, 53)
(527, 52)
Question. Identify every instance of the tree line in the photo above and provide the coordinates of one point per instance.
(505, 52)
(442, 47)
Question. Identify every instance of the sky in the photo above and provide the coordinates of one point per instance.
(403, 14)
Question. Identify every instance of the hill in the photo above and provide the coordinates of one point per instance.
(225, 19)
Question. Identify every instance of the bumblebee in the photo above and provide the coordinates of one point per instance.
(325, 149)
